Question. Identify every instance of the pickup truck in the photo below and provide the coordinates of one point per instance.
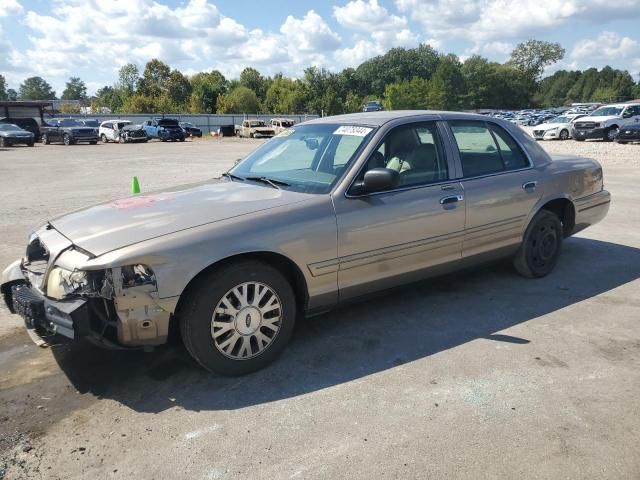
(164, 129)
(68, 131)
(605, 122)
(254, 128)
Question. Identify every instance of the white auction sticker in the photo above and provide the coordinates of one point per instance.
(352, 130)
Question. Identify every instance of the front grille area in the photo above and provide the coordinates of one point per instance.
(585, 125)
(538, 133)
(137, 133)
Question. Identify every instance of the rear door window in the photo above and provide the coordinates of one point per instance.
(486, 148)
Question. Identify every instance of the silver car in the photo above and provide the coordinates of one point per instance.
(325, 212)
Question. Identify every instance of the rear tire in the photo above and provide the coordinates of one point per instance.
(235, 334)
(66, 139)
(3, 143)
(103, 138)
(45, 139)
(540, 248)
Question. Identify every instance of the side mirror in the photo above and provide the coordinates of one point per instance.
(377, 180)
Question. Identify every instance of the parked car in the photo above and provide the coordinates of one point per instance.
(254, 128)
(605, 122)
(11, 134)
(559, 128)
(191, 130)
(164, 129)
(339, 208)
(133, 134)
(372, 106)
(628, 134)
(111, 130)
(68, 131)
(25, 123)
(280, 124)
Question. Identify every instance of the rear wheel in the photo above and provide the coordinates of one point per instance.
(30, 144)
(93, 142)
(540, 248)
(66, 139)
(45, 139)
(103, 138)
(3, 142)
(239, 318)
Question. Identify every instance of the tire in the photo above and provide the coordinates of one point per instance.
(540, 248)
(234, 350)
(93, 142)
(103, 138)
(66, 139)
(621, 142)
(251, 135)
(30, 144)
(121, 139)
(610, 134)
(45, 139)
(182, 139)
(564, 134)
(3, 143)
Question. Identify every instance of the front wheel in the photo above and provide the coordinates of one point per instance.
(564, 135)
(610, 134)
(66, 139)
(45, 139)
(93, 142)
(3, 142)
(540, 248)
(239, 318)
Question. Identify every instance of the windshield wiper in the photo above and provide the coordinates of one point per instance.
(271, 181)
(232, 176)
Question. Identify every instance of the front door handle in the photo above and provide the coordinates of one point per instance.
(451, 199)
(529, 186)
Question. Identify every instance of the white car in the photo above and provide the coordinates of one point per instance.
(559, 128)
(109, 131)
(605, 122)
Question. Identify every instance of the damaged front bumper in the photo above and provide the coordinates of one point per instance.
(116, 307)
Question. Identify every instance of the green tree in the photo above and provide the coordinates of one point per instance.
(128, 78)
(407, 95)
(285, 96)
(605, 95)
(178, 89)
(251, 78)
(75, 89)
(155, 79)
(36, 88)
(531, 57)
(206, 87)
(447, 86)
(239, 100)
(3, 88)
(12, 95)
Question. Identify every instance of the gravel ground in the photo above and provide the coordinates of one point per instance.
(477, 375)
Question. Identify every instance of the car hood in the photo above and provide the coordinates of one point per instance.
(599, 118)
(13, 133)
(550, 126)
(109, 226)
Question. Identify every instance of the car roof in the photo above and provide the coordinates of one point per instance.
(378, 119)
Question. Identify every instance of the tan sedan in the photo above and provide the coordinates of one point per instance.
(327, 211)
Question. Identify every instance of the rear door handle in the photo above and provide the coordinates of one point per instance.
(451, 199)
(529, 186)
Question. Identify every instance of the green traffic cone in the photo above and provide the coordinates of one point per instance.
(135, 186)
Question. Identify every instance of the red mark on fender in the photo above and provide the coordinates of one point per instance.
(140, 201)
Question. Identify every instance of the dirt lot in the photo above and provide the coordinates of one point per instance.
(477, 375)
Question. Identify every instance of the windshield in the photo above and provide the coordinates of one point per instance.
(287, 123)
(560, 119)
(186, 124)
(257, 124)
(70, 122)
(606, 111)
(309, 158)
(168, 123)
(123, 124)
(92, 123)
(9, 126)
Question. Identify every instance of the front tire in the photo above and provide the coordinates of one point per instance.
(239, 318)
(540, 248)
(564, 135)
(3, 142)
(66, 139)
(610, 134)
(45, 139)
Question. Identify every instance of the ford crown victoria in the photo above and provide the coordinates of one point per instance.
(326, 212)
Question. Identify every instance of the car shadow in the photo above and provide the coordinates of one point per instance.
(401, 326)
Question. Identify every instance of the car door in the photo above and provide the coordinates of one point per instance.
(631, 115)
(500, 184)
(391, 237)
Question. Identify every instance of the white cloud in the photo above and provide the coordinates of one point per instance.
(484, 20)
(608, 48)
(367, 15)
(310, 34)
(10, 7)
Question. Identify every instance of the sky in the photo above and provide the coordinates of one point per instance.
(92, 39)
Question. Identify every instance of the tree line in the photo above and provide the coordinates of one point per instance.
(402, 78)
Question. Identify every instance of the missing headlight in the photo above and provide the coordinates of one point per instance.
(137, 275)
